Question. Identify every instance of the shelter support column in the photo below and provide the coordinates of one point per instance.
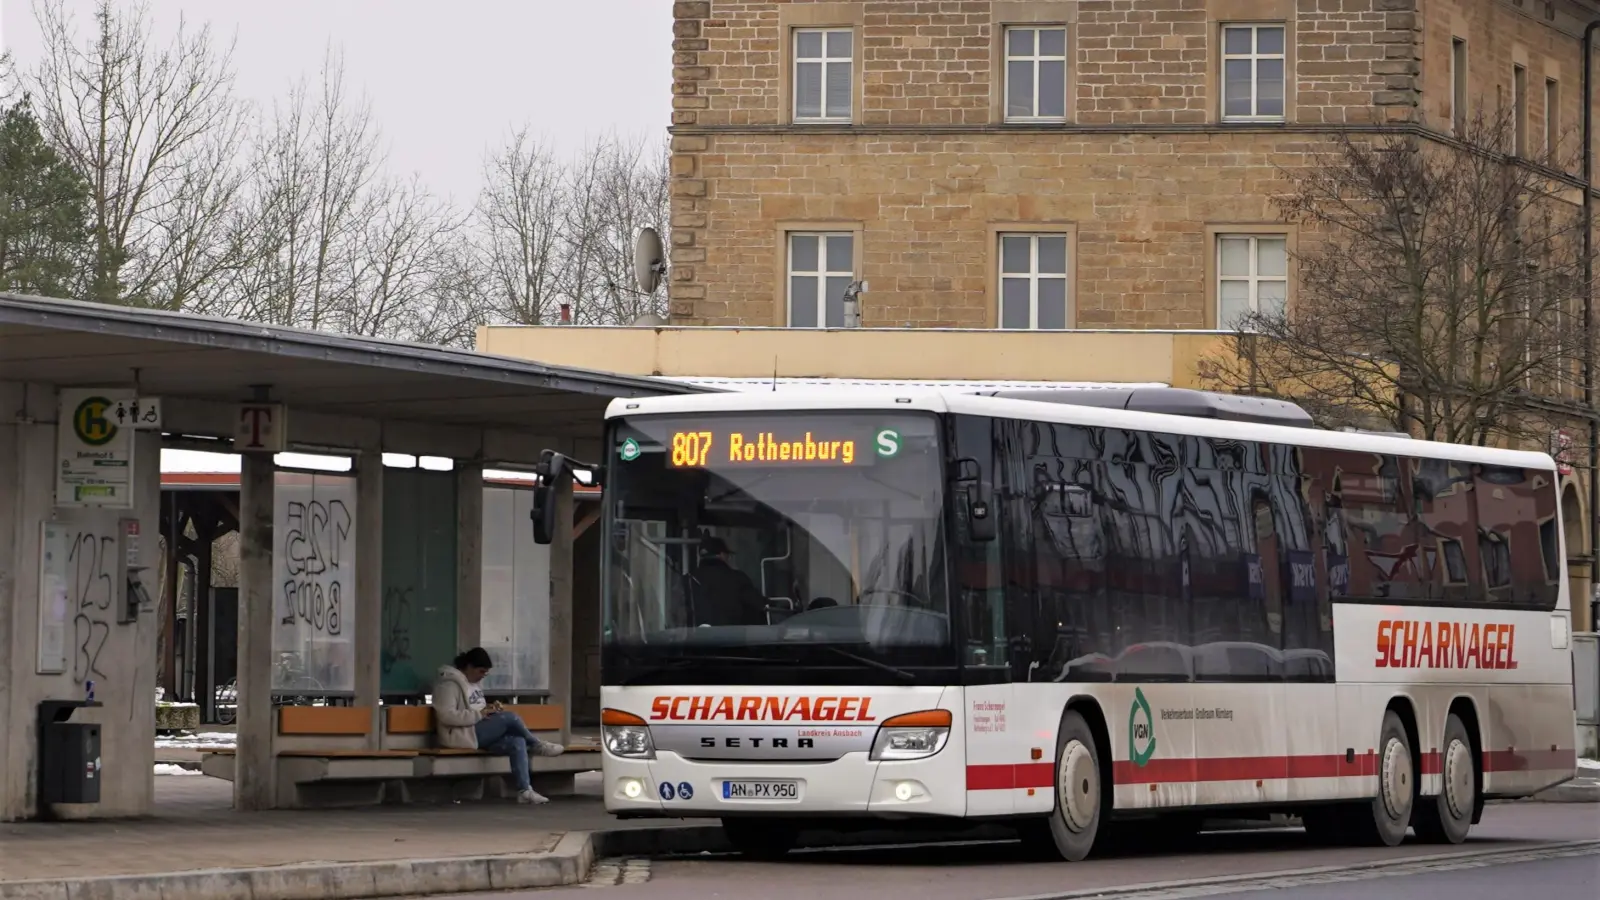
(254, 775)
(369, 586)
(561, 633)
(469, 554)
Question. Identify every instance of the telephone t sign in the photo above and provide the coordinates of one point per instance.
(260, 428)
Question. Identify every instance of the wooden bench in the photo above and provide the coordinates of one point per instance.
(323, 757)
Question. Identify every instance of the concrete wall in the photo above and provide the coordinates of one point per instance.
(120, 658)
(1122, 356)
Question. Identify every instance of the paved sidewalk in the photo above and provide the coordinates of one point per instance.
(196, 828)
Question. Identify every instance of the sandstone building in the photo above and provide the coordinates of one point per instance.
(995, 170)
(1054, 163)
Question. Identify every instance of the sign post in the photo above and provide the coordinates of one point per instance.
(94, 455)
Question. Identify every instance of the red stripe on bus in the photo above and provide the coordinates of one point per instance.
(1529, 760)
(1007, 777)
(1254, 768)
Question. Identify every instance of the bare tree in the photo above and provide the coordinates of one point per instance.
(315, 188)
(404, 256)
(617, 187)
(519, 219)
(1436, 285)
(146, 126)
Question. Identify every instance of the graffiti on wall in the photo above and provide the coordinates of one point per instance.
(314, 567)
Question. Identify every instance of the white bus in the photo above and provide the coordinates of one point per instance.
(1082, 613)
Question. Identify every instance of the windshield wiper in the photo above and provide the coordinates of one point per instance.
(868, 661)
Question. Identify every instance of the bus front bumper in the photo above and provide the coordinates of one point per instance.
(675, 787)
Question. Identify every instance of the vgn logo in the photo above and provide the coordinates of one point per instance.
(1141, 730)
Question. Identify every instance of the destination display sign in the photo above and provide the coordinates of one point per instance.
(735, 447)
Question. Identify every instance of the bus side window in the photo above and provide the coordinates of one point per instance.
(1443, 498)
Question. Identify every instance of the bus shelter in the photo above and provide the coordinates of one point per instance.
(362, 580)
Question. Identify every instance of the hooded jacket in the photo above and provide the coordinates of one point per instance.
(454, 719)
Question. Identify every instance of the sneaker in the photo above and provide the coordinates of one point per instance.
(532, 796)
(546, 748)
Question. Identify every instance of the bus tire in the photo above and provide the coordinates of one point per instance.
(1385, 820)
(761, 838)
(1080, 801)
(1446, 818)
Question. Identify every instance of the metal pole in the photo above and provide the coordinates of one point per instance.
(1588, 307)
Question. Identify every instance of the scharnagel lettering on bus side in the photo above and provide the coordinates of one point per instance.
(1421, 644)
(762, 709)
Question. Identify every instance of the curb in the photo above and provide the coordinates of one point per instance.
(568, 863)
(1579, 790)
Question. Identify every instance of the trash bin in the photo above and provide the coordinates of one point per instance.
(69, 756)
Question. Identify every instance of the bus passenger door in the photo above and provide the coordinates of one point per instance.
(984, 627)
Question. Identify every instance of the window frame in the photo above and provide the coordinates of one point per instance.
(1006, 58)
(796, 61)
(1254, 279)
(1519, 109)
(1254, 57)
(1457, 95)
(1033, 276)
(1552, 118)
(821, 274)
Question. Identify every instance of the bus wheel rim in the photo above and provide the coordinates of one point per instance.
(1396, 776)
(1079, 787)
(1458, 778)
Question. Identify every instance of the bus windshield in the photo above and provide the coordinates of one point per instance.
(774, 548)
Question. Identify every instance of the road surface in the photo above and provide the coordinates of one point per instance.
(1521, 833)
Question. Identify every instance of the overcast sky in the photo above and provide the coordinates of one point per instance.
(443, 85)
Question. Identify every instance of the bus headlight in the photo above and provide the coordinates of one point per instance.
(626, 735)
(912, 736)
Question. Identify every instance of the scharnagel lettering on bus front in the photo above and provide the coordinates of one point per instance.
(762, 709)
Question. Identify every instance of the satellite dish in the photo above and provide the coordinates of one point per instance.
(648, 320)
(649, 261)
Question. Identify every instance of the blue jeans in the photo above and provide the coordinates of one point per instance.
(503, 733)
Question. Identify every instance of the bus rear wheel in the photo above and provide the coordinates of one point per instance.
(1080, 804)
(1383, 822)
(761, 838)
(1445, 819)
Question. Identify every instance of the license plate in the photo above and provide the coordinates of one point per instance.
(761, 790)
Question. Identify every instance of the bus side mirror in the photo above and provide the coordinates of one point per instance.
(551, 469)
(981, 524)
(979, 505)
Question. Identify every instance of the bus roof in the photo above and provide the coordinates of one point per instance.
(945, 400)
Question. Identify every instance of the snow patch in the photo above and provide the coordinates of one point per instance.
(1589, 768)
(170, 769)
(209, 739)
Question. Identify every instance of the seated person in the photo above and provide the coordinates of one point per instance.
(464, 720)
(822, 603)
(727, 596)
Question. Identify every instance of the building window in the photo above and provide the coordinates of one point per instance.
(822, 73)
(1458, 85)
(1033, 281)
(1552, 118)
(1252, 71)
(1036, 74)
(1519, 109)
(821, 267)
(1252, 277)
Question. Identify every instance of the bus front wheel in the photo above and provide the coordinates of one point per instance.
(1445, 819)
(1079, 801)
